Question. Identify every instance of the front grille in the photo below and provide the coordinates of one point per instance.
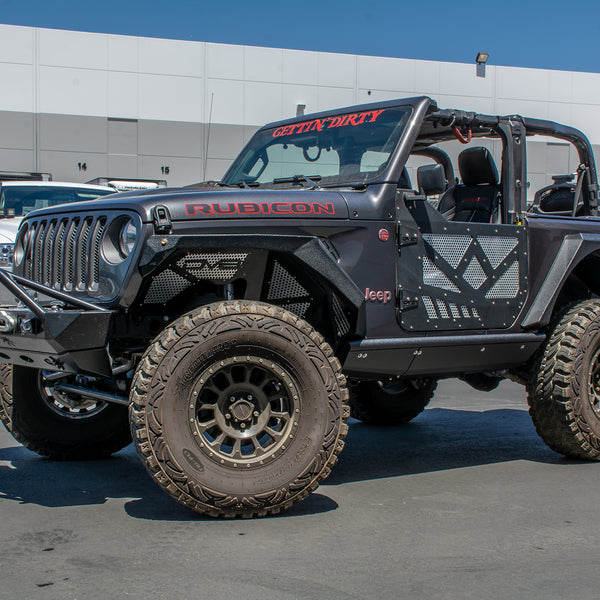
(64, 253)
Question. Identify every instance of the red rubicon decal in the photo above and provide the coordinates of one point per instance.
(353, 119)
(262, 208)
(384, 235)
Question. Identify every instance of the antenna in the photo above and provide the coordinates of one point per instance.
(212, 97)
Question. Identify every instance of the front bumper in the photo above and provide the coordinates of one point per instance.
(60, 334)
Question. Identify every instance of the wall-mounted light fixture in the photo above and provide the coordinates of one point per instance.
(300, 108)
(481, 59)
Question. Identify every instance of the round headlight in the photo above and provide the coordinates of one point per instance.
(127, 237)
(24, 240)
(19, 252)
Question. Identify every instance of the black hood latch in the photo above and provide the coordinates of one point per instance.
(162, 219)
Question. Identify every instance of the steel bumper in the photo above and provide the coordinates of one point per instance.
(61, 334)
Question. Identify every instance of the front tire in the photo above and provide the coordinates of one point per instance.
(239, 409)
(392, 402)
(55, 426)
(564, 393)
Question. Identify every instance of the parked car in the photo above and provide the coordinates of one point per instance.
(19, 197)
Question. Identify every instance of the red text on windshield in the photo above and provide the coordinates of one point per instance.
(353, 120)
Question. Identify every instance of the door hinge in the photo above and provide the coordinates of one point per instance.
(408, 238)
(162, 219)
(407, 300)
(407, 235)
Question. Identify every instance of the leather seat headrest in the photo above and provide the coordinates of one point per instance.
(431, 179)
(477, 166)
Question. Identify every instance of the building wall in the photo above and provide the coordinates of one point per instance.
(127, 106)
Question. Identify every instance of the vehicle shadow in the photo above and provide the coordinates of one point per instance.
(438, 439)
(28, 478)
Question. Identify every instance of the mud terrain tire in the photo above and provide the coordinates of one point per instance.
(239, 409)
(37, 421)
(390, 403)
(564, 393)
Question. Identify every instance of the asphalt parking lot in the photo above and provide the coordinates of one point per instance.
(466, 502)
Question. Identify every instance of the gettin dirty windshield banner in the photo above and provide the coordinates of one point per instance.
(353, 119)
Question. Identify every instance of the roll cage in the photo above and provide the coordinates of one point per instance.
(428, 126)
(445, 125)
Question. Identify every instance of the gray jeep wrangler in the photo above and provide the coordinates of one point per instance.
(232, 328)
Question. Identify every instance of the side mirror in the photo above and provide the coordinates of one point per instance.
(432, 179)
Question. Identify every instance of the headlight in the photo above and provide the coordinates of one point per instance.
(6, 255)
(127, 237)
(119, 239)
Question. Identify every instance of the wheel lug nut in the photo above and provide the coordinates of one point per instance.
(255, 413)
(232, 399)
(243, 425)
(228, 416)
(250, 398)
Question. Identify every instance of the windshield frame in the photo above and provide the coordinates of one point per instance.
(386, 174)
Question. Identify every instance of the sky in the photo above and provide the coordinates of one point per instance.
(528, 33)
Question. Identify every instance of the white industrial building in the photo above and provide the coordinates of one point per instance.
(85, 105)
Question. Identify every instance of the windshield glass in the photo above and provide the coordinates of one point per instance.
(350, 148)
(19, 200)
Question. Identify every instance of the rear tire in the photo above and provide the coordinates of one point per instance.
(390, 403)
(239, 409)
(50, 427)
(564, 393)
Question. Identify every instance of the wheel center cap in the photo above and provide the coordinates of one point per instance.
(241, 410)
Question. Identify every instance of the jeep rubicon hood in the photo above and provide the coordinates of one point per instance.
(220, 203)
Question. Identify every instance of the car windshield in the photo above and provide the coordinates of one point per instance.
(19, 200)
(349, 148)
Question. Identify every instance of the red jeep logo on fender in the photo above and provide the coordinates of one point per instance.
(384, 296)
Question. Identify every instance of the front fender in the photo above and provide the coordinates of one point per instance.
(310, 251)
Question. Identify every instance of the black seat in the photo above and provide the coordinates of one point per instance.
(476, 198)
(557, 198)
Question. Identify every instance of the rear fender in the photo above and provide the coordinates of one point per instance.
(574, 253)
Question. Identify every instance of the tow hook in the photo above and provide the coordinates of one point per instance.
(8, 322)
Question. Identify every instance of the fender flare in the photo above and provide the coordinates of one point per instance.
(309, 250)
(573, 250)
